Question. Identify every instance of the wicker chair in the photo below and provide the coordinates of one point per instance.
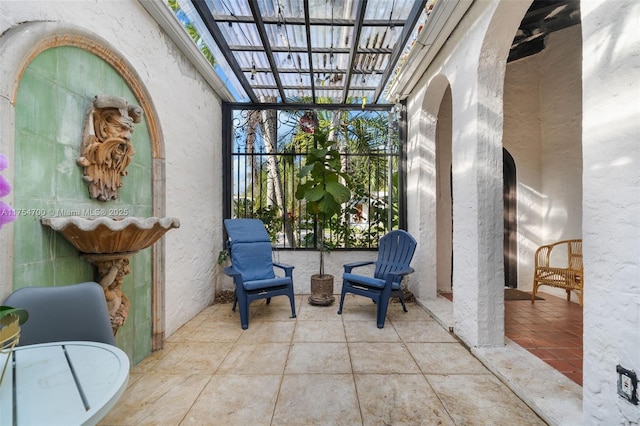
(569, 277)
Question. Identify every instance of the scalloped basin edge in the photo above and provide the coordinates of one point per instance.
(106, 235)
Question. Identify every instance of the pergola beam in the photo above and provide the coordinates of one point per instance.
(267, 48)
(357, 28)
(307, 25)
(293, 20)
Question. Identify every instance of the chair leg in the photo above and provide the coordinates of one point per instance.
(293, 306)
(382, 312)
(533, 293)
(244, 312)
(268, 300)
(401, 296)
(235, 302)
(341, 301)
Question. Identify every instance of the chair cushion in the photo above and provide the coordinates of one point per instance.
(253, 260)
(246, 230)
(368, 281)
(268, 283)
(360, 279)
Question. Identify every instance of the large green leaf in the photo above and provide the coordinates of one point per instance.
(304, 170)
(302, 188)
(338, 191)
(328, 206)
(314, 194)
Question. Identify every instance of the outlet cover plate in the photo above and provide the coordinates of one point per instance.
(627, 384)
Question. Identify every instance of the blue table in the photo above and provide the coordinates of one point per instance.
(62, 383)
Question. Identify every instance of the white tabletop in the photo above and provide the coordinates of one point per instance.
(62, 383)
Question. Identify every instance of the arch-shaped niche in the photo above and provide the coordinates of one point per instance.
(30, 69)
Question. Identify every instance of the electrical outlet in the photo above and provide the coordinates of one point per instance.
(627, 384)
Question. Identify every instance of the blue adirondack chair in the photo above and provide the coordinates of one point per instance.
(252, 267)
(395, 252)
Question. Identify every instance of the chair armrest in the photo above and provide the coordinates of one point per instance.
(396, 276)
(231, 272)
(349, 266)
(402, 272)
(288, 269)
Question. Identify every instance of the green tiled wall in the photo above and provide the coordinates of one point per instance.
(52, 100)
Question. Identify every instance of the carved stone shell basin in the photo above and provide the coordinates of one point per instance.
(106, 235)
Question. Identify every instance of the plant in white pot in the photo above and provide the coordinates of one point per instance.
(322, 188)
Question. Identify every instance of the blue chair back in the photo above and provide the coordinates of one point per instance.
(395, 252)
(250, 248)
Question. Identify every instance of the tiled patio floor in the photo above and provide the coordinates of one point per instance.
(320, 368)
(551, 329)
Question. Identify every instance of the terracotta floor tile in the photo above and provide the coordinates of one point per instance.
(551, 329)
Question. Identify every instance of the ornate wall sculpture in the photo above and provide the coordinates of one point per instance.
(106, 144)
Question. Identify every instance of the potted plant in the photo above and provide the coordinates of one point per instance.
(322, 188)
(10, 321)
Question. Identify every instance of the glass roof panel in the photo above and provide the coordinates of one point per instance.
(325, 9)
(229, 7)
(388, 10)
(241, 34)
(379, 37)
(263, 48)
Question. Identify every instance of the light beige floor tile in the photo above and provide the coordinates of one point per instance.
(209, 331)
(317, 399)
(268, 332)
(194, 357)
(157, 399)
(481, 400)
(224, 313)
(414, 313)
(231, 399)
(149, 362)
(274, 311)
(382, 358)
(368, 331)
(255, 358)
(445, 358)
(319, 331)
(312, 358)
(423, 331)
(359, 312)
(195, 322)
(399, 399)
(318, 313)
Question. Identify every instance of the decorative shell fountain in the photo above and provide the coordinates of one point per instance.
(108, 243)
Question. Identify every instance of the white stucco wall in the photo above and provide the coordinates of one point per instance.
(611, 206)
(477, 170)
(189, 116)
